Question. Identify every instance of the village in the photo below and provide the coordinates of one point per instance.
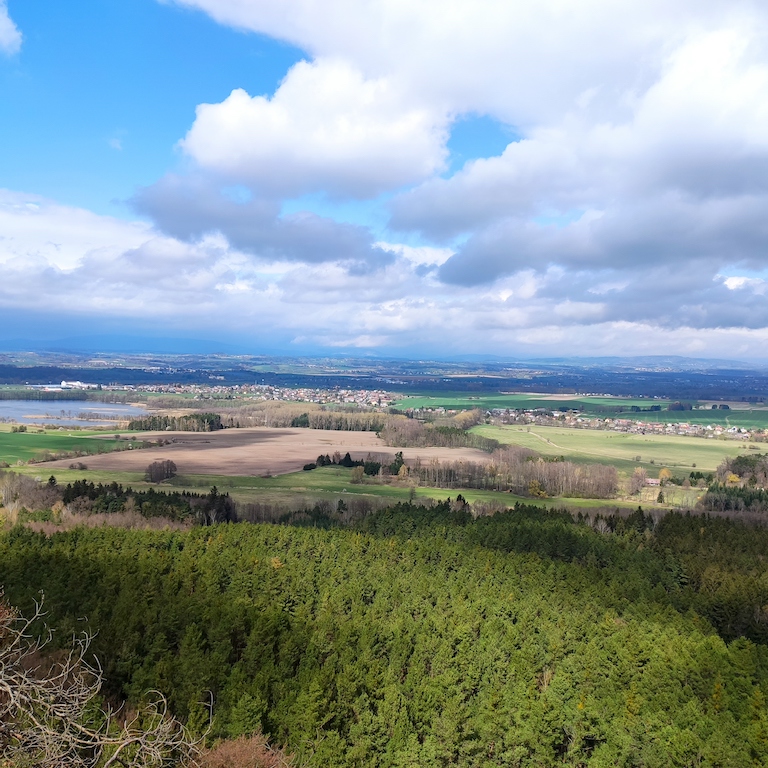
(576, 420)
(363, 398)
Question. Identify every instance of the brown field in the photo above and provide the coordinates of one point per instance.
(258, 451)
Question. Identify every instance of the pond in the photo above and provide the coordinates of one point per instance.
(67, 413)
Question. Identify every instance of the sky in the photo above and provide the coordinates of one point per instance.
(420, 178)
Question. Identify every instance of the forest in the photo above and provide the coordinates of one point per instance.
(420, 636)
(741, 486)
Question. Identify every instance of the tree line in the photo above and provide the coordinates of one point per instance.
(43, 395)
(523, 472)
(369, 466)
(191, 422)
(33, 500)
(367, 421)
(410, 433)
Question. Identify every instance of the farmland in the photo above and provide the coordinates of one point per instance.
(619, 449)
(263, 464)
(258, 451)
(334, 483)
(23, 446)
(303, 490)
(463, 401)
(738, 414)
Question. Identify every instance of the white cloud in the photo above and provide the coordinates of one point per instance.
(33, 228)
(682, 182)
(640, 180)
(424, 255)
(326, 128)
(10, 37)
(525, 62)
(737, 283)
(102, 270)
(579, 310)
(701, 127)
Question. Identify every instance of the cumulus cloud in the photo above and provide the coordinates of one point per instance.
(639, 175)
(103, 270)
(681, 183)
(190, 207)
(326, 128)
(421, 256)
(628, 217)
(525, 62)
(671, 229)
(10, 37)
(86, 265)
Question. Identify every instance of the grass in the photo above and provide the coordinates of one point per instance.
(739, 414)
(619, 449)
(63, 476)
(299, 489)
(463, 401)
(23, 446)
(332, 483)
(305, 489)
(749, 418)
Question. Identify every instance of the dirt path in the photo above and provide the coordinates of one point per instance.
(570, 450)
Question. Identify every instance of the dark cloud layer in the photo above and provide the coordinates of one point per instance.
(190, 207)
(671, 230)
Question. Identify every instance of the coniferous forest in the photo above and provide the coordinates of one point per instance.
(422, 637)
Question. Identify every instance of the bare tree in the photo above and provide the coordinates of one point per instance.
(637, 481)
(49, 715)
(161, 470)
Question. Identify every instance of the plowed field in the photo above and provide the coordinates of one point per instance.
(259, 451)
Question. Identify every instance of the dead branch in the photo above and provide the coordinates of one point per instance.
(49, 715)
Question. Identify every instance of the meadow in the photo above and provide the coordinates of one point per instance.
(516, 400)
(23, 446)
(623, 450)
(334, 483)
(737, 416)
(303, 490)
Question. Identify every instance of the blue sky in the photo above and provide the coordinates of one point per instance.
(102, 90)
(375, 176)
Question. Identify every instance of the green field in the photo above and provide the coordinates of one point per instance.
(333, 483)
(463, 401)
(305, 489)
(739, 415)
(680, 454)
(23, 446)
(749, 418)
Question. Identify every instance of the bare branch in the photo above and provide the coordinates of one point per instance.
(47, 709)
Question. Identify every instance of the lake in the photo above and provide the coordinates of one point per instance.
(67, 413)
